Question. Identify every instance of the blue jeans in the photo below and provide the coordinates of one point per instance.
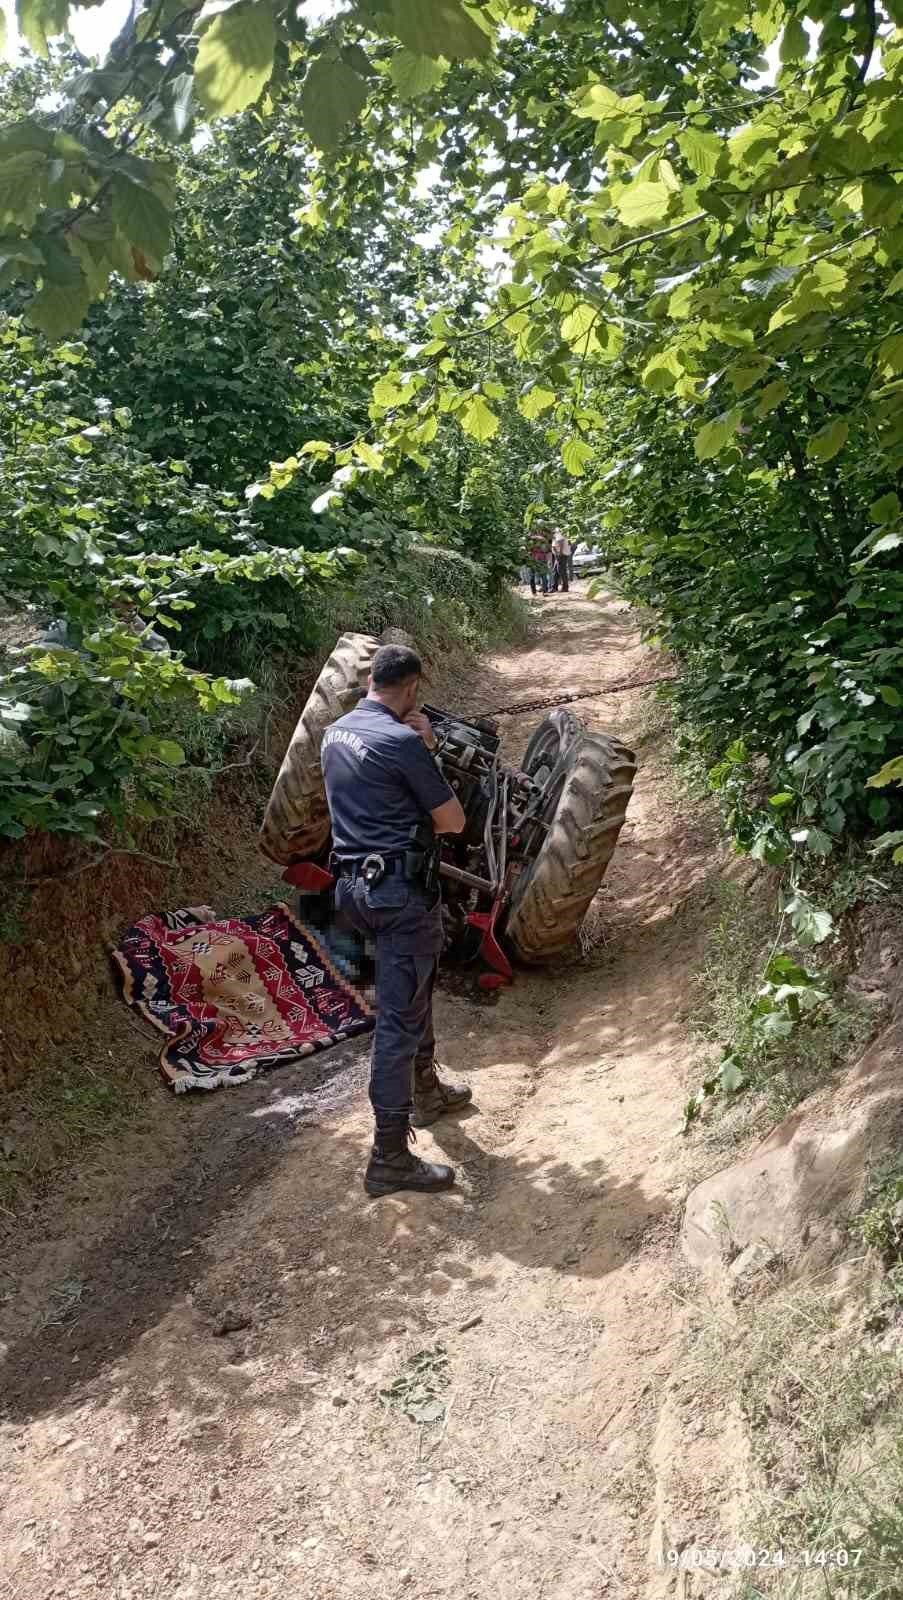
(407, 931)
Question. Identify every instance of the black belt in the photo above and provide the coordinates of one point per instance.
(352, 868)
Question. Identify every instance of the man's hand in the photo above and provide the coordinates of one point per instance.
(420, 722)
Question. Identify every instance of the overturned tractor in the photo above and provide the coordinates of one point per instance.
(519, 879)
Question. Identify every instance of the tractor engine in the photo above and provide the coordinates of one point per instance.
(468, 753)
(502, 826)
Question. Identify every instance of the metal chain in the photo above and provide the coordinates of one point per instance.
(521, 707)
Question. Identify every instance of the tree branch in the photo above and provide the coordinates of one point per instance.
(658, 233)
(871, 12)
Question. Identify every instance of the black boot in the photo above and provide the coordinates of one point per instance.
(433, 1097)
(392, 1166)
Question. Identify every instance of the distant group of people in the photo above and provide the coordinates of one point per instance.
(549, 561)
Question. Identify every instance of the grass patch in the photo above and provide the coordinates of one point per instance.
(880, 1224)
(823, 1410)
(653, 726)
(782, 1070)
(54, 1117)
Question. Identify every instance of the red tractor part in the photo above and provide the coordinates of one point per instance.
(308, 877)
(501, 973)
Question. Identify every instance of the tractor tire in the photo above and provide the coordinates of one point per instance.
(553, 894)
(296, 820)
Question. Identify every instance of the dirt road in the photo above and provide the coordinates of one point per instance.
(193, 1363)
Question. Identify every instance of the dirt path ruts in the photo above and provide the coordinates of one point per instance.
(192, 1392)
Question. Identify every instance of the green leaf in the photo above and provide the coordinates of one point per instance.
(23, 188)
(795, 41)
(598, 103)
(170, 753)
(59, 308)
(828, 441)
(235, 57)
(369, 455)
(643, 203)
(815, 840)
(885, 509)
(712, 438)
(730, 1076)
(610, 340)
(332, 96)
(59, 264)
(438, 28)
(662, 372)
(701, 150)
(748, 373)
(810, 925)
(890, 695)
(668, 176)
(576, 455)
(536, 400)
(890, 354)
(772, 396)
(882, 198)
(578, 326)
(782, 800)
(681, 301)
(891, 772)
(774, 1026)
(21, 252)
(718, 17)
(783, 969)
(478, 419)
(387, 393)
(889, 841)
(26, 134)
(142, 217)
(414, 75)
(40, 20)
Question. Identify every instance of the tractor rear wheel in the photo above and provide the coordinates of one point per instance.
(296, 820)
(590, 781)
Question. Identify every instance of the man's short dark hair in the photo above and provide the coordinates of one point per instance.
(394, 664)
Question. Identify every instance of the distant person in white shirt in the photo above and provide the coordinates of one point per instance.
(561, 555)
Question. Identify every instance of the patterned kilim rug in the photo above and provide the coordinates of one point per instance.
(236, 996)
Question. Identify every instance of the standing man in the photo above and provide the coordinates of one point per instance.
(389, 802)
(537, 563)
(561, 552)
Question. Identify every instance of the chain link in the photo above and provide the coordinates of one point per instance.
(521, 707)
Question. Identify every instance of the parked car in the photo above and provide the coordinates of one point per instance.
(587, 561)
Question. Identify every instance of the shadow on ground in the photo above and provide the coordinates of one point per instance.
(238, 1253)
(257, 1251)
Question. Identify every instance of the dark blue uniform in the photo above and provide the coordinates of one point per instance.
(381, 781)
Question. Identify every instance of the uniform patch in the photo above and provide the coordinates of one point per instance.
(350, 740)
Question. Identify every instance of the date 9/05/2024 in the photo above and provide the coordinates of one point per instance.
(747, 1557)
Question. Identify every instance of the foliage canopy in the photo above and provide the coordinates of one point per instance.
(662, 295)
